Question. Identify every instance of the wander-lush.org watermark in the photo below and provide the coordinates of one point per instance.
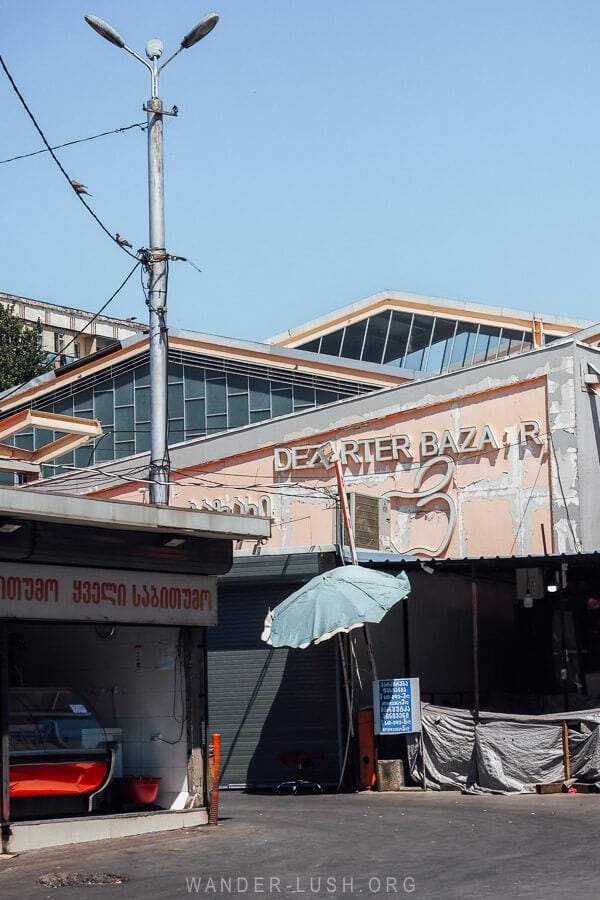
(273, 885)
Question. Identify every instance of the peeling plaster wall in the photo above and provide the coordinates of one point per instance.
(588, 442)
(563, 451)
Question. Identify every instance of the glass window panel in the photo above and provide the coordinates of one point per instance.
(124, 448)
(142, 404)
(464, 345)
(105, 447)
(67, 459)
(311, 346)
(142, 376)
(353, 340)
(41, 438)
(104, 407)
(7, 479)
(83, 403)
(143, 439)
(420, 336)
(550, 338)
(176, 431)
(192, 435)
(487, 343)
(514, 338)
(124, 423)
(503, 344)
(216, 395)
(237, 410)
(326, 397)
(282, 402)
(395, 350)
(527, 341)
(24, 440)
(237, 384)
(195, 415)
(175, 405)
(331, 343)
(215, 424)
(259, 415)
(303, 396)
(123, 390)
(84, 456)
(64, 407)
(376, 334)
(193, 378)
(175, 372)
(260, 393)
(441, 345)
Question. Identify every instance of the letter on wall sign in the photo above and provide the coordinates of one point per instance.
(283, 459)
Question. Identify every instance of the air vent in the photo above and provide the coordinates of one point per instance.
(371, 521)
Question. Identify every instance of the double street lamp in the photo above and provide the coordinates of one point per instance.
(157, 257)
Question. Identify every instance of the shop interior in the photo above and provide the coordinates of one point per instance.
(97, 719)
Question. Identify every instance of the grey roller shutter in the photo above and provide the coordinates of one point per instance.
(264, 701)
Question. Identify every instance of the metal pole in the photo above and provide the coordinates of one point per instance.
(564, 650)
(157, 301)
(475, 618)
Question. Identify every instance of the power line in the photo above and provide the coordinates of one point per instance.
(19, 387)
(93, 137)
(101, 310)
(59, 164)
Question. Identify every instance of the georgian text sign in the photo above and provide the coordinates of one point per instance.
(78, 594)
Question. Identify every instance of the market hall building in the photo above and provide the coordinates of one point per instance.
(468, 436)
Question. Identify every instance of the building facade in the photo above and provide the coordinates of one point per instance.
(481, 461)
(70, 334)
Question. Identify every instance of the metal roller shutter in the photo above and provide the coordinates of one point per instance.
(263, 701)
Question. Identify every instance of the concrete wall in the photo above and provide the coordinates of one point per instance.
(587, 436)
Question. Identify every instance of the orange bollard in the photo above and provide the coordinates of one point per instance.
(366, 747)
(213, 810)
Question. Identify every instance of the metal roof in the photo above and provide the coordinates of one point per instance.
(542, 561)
(71, 509)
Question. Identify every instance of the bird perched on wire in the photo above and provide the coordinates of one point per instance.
(79, 188)
(121, 241)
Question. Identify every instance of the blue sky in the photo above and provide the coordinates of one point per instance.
(324, 151)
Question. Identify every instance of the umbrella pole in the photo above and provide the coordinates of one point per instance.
(348, 523)
(346, 680)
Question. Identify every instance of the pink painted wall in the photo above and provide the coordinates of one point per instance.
(469, 478)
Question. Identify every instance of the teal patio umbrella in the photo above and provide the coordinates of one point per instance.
(333, 602)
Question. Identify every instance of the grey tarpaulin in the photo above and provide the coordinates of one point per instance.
(503, 753)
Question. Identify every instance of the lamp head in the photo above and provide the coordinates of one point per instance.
(199, 30)
(105, 30)
(154, 48)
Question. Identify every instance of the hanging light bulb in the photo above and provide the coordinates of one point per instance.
(528, 600)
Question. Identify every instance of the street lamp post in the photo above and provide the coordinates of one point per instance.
(157, 257)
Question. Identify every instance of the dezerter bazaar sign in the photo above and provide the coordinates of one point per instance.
(400, 447)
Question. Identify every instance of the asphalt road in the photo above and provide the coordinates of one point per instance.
(371, 845)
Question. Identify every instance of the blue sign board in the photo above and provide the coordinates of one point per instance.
(397, 705)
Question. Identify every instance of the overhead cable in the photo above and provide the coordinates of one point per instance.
(93, 137)
(59, 164)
